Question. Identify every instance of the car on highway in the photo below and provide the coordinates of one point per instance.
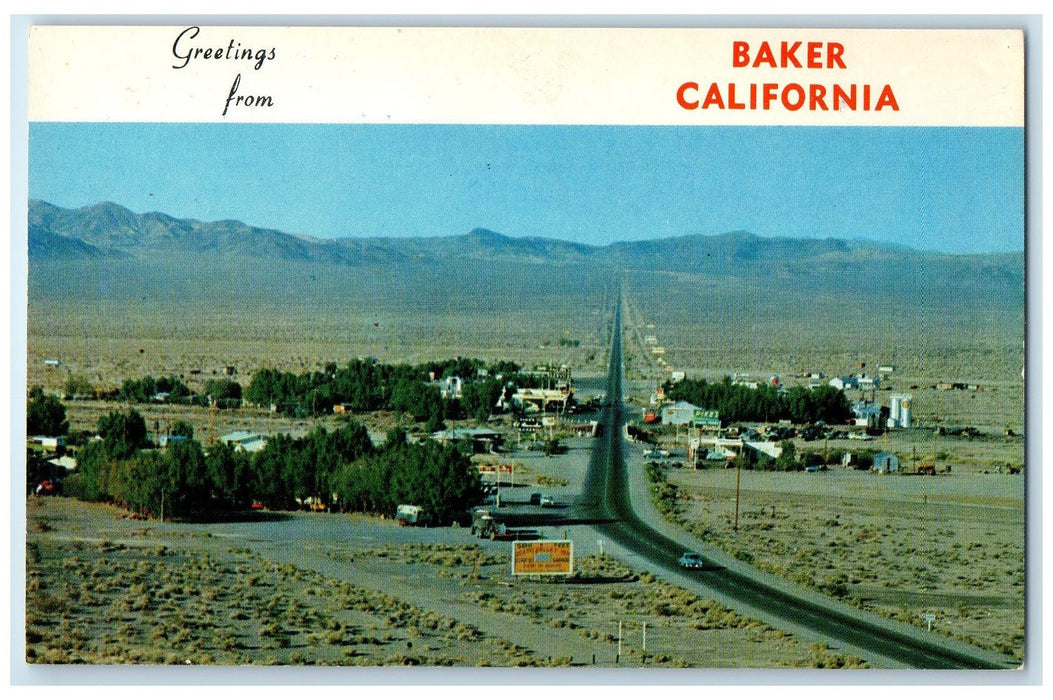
(691, 560)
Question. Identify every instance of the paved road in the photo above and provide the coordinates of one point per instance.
(606, 501)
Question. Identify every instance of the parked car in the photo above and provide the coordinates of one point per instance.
(691, 560)
(548, 502)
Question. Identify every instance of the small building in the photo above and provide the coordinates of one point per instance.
(886, 463)
(869, 383)
(756, 448)
(844, 383)
(483, 441)
(245, 441)
(49, 443)
(66, 462)
(451, 387)
(166, 440)
(867, 413)
(543, 400)
(712, 449)
(679, 413)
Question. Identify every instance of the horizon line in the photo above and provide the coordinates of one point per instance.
(888, 245)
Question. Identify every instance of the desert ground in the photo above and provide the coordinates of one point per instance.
(328, 589)
(105, 589)
(906, 546)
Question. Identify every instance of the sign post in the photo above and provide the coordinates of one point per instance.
(544, 557)
(705, 419)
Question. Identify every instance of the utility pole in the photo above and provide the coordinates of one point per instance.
(738, 478)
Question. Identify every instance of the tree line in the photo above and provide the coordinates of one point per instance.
(738, 402)
(339, 470)
(361, 386)
(364, 385)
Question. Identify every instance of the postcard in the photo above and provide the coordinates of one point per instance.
(687, 350)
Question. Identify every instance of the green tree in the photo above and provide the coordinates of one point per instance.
(268, 482)
(422, 401)
(479, 398)
(439, 478)
(78, 385)
(223, 390)
(181, 428)
(787, 460)
(183, 478)
(122, 434)
(229, 475)
(138, 390)
(45, 415)
(89, 481)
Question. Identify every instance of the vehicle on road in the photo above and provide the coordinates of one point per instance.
(485, 527)
(548, 502)
(483, 522)
(691, 560)
(535, 498)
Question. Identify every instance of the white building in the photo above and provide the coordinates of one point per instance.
(867, 413)
(844, 383)
(679, 413)
(451, 387)
(245, 441)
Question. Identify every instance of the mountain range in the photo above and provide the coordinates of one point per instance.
(108, 230)
(107, 273)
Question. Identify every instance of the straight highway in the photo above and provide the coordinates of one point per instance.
(605, 500)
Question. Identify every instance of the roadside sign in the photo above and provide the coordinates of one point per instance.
(542, 557)
(705, 419)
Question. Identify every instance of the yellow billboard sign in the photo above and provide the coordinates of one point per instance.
(542, 557)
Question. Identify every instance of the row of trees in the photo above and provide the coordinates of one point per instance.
(225, 392)
(366, 385)
(737, 402)
(790, 459)
(341, 469)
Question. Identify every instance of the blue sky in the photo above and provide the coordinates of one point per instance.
(948, 189)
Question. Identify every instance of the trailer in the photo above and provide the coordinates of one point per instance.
(410, 515)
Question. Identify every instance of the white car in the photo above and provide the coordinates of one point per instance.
(691, 560)
(548, 502)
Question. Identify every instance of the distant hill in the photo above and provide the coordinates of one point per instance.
(110, 229)
(823, 266)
